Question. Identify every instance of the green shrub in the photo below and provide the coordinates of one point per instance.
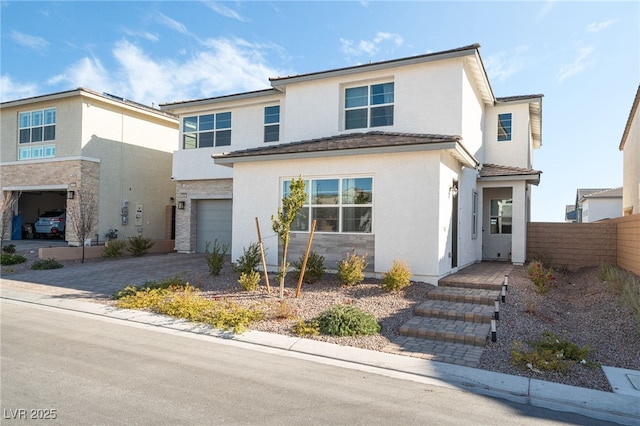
(397, 277)
(314, 269)
(549, 353)
(139, 246)
(249, 261)
(9, 248)
(11, 259)
(49, 263)
(114, 249)
(542, 278)
(175, 282)
(249, 281)
(306, 328)
(351, 269)
(215, 259)
(347, 320)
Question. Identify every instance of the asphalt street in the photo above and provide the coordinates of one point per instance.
(93, 370)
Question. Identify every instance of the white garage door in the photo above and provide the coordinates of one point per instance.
(213, 222)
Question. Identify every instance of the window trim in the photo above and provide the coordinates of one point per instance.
(370, 105)
(271, 124)
(505, 132)
(47, 121)
(215, 130)
(27, 152)
(309, 205)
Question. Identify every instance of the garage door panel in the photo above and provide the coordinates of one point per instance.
(213, 222)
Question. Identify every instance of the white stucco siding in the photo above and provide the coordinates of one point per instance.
(472, 119)
(516, 151)
(405, 204)
(594, 209)
(631, 167)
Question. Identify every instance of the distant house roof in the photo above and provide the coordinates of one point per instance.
(632, 114)
(356, 143)
(498, 172)
(584, 193)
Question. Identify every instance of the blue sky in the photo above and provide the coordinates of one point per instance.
(583, 56)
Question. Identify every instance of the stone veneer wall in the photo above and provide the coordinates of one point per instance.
(190, 192)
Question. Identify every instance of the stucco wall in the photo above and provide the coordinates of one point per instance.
(594, 209)
(515, 152)
(631, 168)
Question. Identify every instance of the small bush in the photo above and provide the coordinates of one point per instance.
(542, 278)
(187, 303)
(284, 310)
(9, 248)
(549, 353)
(176, 282)
(249, 281)
(139, 246)
(114, 249)
(347, 320)
(249, 261)
(215, 259)
(43, 264)
(306, 328)
(314, 269)
(351, 269)
(11, 259)
(624, 284)
(397, 278)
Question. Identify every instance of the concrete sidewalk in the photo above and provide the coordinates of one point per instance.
(66, 288)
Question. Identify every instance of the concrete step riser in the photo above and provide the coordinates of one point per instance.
(478, 318)
(462, 284)
(488, 300)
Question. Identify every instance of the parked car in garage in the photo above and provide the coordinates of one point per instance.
(51, 223)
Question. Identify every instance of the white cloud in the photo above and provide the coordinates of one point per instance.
(223, 10)
(11, 90)
(370, 47)
(546, 8)
(142, 34)
(26, 40)
(582, 61)
(171, 23)
(223, 66)
(595, 27)
(503, 65)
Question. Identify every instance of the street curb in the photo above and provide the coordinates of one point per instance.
(608, 406)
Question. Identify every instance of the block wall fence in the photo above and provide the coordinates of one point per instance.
(577, 245)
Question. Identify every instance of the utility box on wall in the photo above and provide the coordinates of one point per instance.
(124, 212)
(138, 214)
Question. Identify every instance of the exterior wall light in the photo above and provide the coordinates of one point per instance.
(180, 205)
(70, 195)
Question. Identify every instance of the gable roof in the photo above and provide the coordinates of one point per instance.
(499, 172)
(627, 128)
(353, 143)
(604, 193)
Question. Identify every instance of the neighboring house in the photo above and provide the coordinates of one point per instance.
(598, 204)
(58, 144)
(630, 147)
(412, 159)
(570, 214)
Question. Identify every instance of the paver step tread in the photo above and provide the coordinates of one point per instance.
(465, 295)
(452, 353)
(469, 284)
(470, 312)
(453, 331)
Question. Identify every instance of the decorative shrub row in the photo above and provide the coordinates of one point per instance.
(137, 246)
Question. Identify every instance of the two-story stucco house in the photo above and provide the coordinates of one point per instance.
(594, 204)
(630, 147)
(58, 144)
(412, 159)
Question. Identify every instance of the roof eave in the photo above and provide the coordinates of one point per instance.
(531, 178)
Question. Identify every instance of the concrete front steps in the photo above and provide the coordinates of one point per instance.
(454, 324)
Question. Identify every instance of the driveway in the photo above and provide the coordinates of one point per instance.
(101, 278)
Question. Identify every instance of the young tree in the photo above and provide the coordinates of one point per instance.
(82, 215)
(7, 203)
(281, 223)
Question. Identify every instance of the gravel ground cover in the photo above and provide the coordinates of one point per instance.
(580, 307)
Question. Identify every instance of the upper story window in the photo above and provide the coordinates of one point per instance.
(201, 131)
(37, 126)
(504, 127)
(272, 123)
(337, 205)
(369, 106)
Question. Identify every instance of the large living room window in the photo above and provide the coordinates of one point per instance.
(37, 126)
(338, 205)
(369, 106)
(208, 130)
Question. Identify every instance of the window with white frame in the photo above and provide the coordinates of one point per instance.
(501, 216)
(36, 152)
(37, 126)
(504, 127)
(272, 123)
(208, 130)
(342, 205)
(369, 106)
